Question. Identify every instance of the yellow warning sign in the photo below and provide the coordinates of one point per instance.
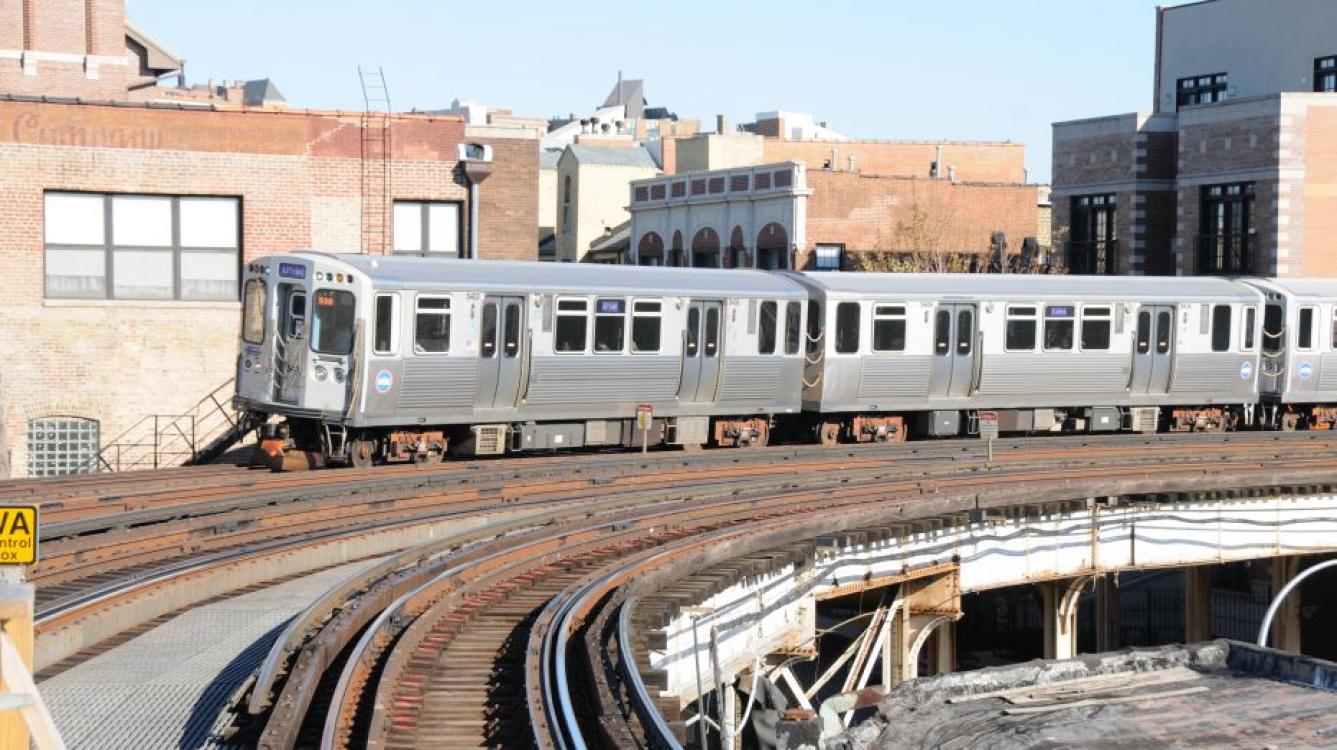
(18, 534)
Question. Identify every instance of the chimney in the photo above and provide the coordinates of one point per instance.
(835, 160)
(721, 124)
(850, 159)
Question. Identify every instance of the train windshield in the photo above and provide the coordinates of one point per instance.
(332, 322)
(253, 306)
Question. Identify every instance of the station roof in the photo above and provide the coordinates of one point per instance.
(1028, 286)
(575, 278)
(1213, 694)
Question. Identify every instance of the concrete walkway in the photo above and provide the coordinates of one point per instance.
(168, 687)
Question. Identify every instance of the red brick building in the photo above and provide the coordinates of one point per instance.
(127, 225)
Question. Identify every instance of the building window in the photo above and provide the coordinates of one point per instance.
(698, 187)
(657, 192)
(642, 194)
(716, 185)
(784, 179)
(1225, 243)
(141, 246)
(829, 257)
(1325, 74)
(58, 446)
(763, 180)
(738, 183)
(1206, 89)
(679, 189)
(427, 228)
(1092, 244)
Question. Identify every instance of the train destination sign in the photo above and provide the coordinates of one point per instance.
(18, 534)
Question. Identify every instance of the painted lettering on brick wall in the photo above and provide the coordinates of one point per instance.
(29, 128)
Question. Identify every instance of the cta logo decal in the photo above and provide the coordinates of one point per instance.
(1246, 370)
(1306, 370)
(385, 380)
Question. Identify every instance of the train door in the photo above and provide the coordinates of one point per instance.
(954, 340)
(1153, 349)
(290, 344)
(501, 352)
(701, 352)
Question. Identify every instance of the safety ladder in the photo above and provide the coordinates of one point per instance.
(376, 176)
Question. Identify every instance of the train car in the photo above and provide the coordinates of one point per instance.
(380, 358)
(1298, 375)
(891, 354)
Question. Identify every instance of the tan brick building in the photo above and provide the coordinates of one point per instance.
(1232, 172)
(820, 200)
(127, 225)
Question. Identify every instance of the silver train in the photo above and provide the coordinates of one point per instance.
(373, 359)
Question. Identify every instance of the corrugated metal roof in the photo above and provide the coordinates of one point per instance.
(1008, 286)
(618, 157)
(576, 278)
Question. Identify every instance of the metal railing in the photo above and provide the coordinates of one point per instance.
(1099, 257)
(1227, 254)
(162, 440)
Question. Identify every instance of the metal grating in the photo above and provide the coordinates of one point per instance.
(59, 446)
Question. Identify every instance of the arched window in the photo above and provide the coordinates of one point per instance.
(706, 248)
(58, 446)
(773, 247)
(650, 250)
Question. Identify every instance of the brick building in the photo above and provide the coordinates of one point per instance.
(758, 197)
(1232, 171)
(786, 215)
(126, 226)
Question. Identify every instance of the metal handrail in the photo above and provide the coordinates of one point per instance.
(158, 440)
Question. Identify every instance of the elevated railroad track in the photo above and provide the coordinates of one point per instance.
(506, 609)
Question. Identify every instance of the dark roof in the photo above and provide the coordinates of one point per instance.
(262, 91)
(630, 93)
(1213, 694)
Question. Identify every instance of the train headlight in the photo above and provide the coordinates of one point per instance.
(321, 373)
(338, 374)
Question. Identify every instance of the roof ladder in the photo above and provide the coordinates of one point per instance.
(376, 195)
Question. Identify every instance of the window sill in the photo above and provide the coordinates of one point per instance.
(143, 303)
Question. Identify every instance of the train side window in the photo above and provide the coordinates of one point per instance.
(1164, 320)
(646, 322)
(847, 328)
(1021, 329)
(1059, 326)
(1334, 328)
(766, 328)
(510, 339)
(713, 331)
(255, 301)
(1305, 339)
(488, 334)
(693, 331)
(1221, 328)
(793, 321)
(965, 331)
(431, 326)
(889, 328)
(572, 325)
(387, 315)
(1143, 332)
(1249, 334)
(942, 332)
(610, 325)
(1095, 329)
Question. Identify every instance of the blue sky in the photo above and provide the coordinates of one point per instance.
(953, 69)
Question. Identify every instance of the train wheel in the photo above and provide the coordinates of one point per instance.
(828, 433)
(362, 454)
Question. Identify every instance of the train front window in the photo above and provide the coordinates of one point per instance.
(332, 323)
(253, 305)
(1273, 329)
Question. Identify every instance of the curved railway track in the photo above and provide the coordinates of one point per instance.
(502, 612)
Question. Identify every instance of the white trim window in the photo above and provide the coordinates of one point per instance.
(427, 228)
